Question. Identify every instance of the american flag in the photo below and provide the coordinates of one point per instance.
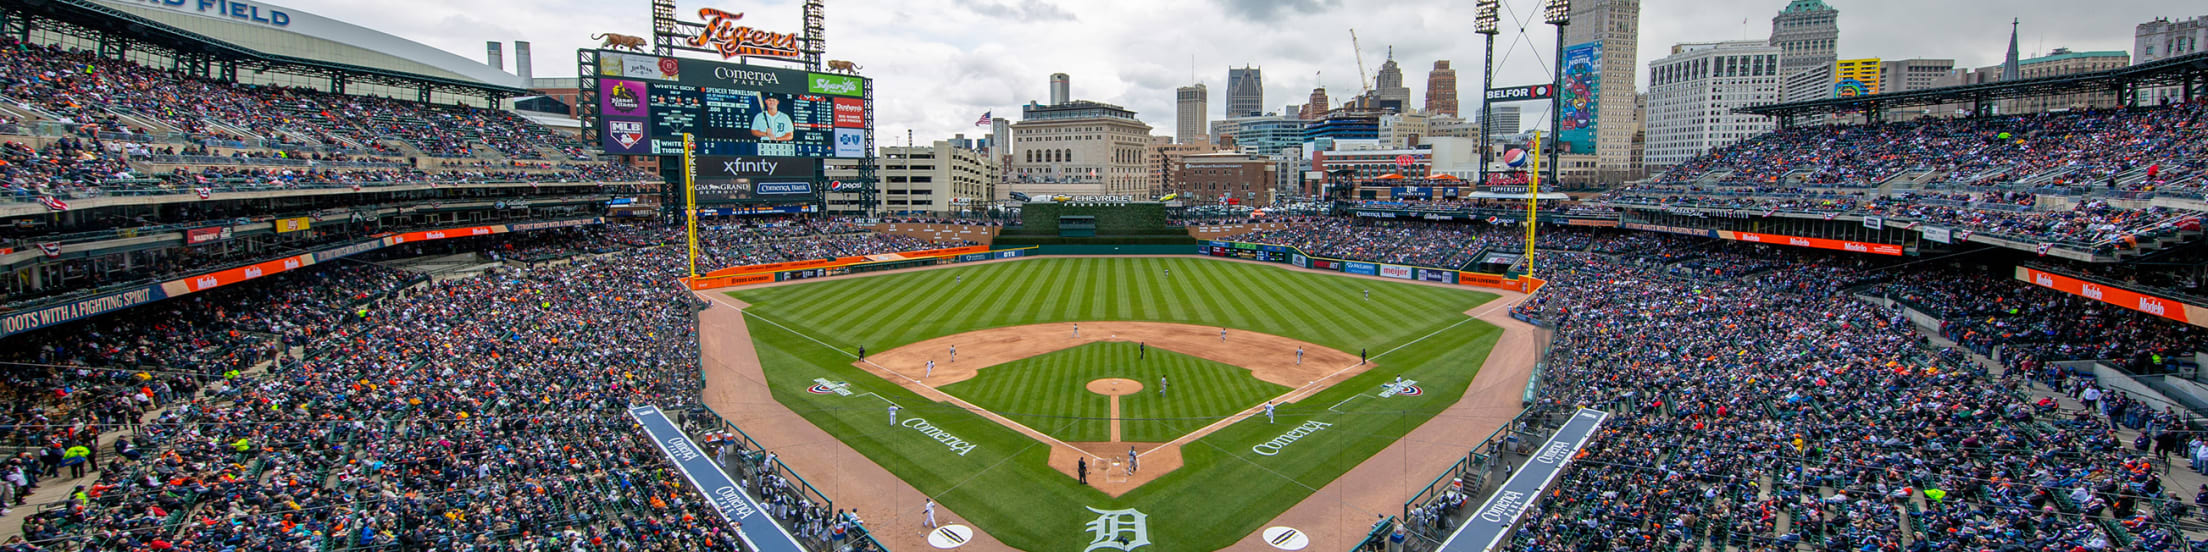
(1962, 235)
(51, 249)
(984, 119)
(53, 203)
(356, 186)
(204, 192)
(2044, 247)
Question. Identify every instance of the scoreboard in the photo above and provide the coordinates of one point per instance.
(647, 102)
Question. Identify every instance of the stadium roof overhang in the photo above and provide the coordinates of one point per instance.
(94, 21)
(2190, 71)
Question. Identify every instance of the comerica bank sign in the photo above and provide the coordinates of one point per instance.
(254, 12)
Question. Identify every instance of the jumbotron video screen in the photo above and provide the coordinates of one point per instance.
(647, 102)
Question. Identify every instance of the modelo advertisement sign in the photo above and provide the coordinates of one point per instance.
(646, 104)
(743, 178)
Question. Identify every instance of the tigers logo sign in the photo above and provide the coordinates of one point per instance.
(723, 35)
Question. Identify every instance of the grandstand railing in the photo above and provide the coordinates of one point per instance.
(168, 159)
(159, 187)
(861, 539)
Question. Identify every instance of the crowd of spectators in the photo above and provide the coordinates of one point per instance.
(754, 240)
(482, 413)
(1448, 245)
(2092, 147)
(1773, 411)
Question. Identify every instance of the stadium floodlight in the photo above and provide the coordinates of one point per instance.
(1559, 12)
(1486, 14)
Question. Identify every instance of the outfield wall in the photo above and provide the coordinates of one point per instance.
(821, 268)
(939, 232)
(1290, 255)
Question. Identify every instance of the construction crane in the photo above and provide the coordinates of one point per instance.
(1363, 79)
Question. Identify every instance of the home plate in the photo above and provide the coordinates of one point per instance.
(1286, 538)
(954, 536)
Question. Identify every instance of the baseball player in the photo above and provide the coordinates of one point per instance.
(1161, 386)
(1081, 469)
(893, 414)
(1142, 350)
(1222, 335)
(1299, 355)
(954, 353)
(931, 370)
(1131, 460)
(1368, 295)
(928, 509)
(1268, 412)
(1077, 331)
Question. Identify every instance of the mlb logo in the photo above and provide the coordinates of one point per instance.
(626, 133)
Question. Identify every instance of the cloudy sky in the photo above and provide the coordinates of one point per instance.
(941, 63)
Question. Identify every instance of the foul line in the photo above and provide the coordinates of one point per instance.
(1040, 436)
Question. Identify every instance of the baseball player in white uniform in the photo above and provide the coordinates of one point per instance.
(930, 371)
(1268, 412)
(893, 414)
(929, 510)
(1299, 355)
(954, 353)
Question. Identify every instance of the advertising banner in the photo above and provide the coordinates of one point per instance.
(1478, 279)
(427, 235)
(1432, 275)
(1326, 264)
(850, 113)
(1395, 271)
(198, 236)
(293, 224)
(1591, 222)
(22, 321)
(1354, 267)
(1939, 234)
(625, 136)
(2167, 308)
(736, 179)
(1874, 222)
(1581, 88)
(622, 98)
(1704, 232)
(850, 142)
(215, 279)
(1820, 243)
(731, 108)
(1299, 260)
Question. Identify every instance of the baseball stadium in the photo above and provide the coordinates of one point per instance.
(286, 283)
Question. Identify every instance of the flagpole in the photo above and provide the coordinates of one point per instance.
(1533, 202)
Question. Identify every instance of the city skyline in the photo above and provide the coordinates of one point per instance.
(936, 73)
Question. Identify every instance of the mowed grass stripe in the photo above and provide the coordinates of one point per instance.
(1223, 491)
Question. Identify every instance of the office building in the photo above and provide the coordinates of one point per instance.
(1388, 86)
(1224, 178)
(1692, 94)
(1907, 75)
(1192, 106)
(1448, 126)
(2060, 62)
(1505, 121)
(2163, 39)
(939, 177)
(1441, 89)
(1159, 159)
(1807, 33)
(1315, 108)
(1403, 130)
(1080, 148)
(1061, 88)
(1614, 26)
(1245, 92)
(1803, 85)
(1268, 134)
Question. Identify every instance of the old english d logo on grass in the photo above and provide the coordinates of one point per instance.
(1123, 530)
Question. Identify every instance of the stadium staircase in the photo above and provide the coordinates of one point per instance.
(25, 111)
(241, 132)
(1988, 174)
(150, 124)
(2046, 178)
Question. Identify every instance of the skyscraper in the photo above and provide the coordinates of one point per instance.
(1808, 34)
(1317, 107)
(2162, 39)
(1245, 92)
(1614, 28)
(1193, 105)
(1441, 89)
(1388, 85)
(1061, 88)
(1693, 93)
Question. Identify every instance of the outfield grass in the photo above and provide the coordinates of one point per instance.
(1224, 491)
(1051, 390)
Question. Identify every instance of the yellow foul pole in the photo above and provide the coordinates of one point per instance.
(690, 197)
(1533, 201)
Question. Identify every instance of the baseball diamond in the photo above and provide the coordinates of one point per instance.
(1018, 391)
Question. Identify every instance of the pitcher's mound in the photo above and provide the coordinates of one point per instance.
(1115, 386)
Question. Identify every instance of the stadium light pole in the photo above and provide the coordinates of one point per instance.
(1558, 13)
(1486, 15)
